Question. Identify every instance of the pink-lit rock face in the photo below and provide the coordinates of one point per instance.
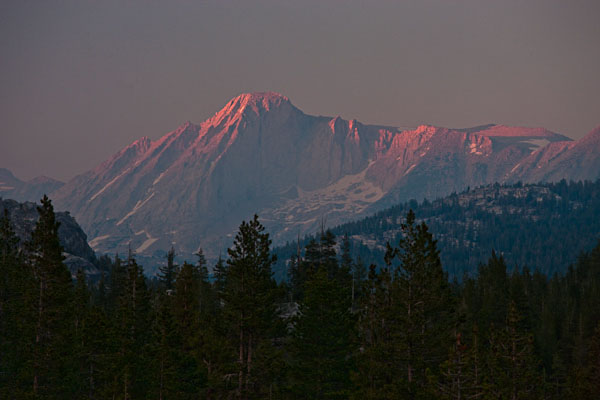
(578, 160)
(261, 154)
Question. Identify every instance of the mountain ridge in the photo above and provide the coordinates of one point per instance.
(261, 154)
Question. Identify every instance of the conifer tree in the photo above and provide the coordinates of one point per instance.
(16, 315)
(379, 374)
(424, 304)
(513, 367)
(249, 304)
(168, 272)
(91, 343)
(186, 311)
(461, 374)
(322, 337)
(133, 333)
(219, 273)
(166, 349)
(53, 302)
(117, 285)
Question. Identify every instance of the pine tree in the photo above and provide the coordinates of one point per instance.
(53, 302)
(168, 272)
(589, 383)
(359, 276)
(321, 345)
(513, 366)
(461, 374)
(379, 374)
(424, 304)
(117, 285)
(133, 334)
(249, 304)
(186, 311)
(91, 343)
(166, 349)
(219, 273)
(17, 286)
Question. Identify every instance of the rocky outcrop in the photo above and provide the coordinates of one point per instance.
(77, 252)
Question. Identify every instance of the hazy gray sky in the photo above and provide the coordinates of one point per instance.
(79, 79)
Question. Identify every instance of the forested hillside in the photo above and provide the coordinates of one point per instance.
(543, 227)
(336, 330)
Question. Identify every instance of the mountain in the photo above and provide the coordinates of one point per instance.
(544, 227)
(32, 190)
(78, 253)
(562, 160)
(261, 154)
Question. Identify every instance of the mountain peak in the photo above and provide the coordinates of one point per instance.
(258, 101)
(593, 135)
(255, 102)
(261, 97)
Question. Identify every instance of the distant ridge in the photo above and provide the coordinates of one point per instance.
(12, 187)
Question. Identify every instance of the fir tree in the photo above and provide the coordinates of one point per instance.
(321, 345)
(513, 367)
(168, 272)
(186, 311)
(53, 307)
(219, 273)
(379, 374)
(424, 304)
(133, 330)
(166, 350)
(249, 304)
(17, 311)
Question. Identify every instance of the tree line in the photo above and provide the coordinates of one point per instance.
(334, 330)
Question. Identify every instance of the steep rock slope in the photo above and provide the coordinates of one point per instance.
(562, 160)
(261, 154)
(195, 185)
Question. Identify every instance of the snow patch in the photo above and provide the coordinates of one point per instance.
(96, 241)
(349, 195)
(537, 143)
(410, 169)
(147, 243)
(159, 178)
(137, 206)
(108, 185)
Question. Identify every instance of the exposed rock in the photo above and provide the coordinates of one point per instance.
(78, 253)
